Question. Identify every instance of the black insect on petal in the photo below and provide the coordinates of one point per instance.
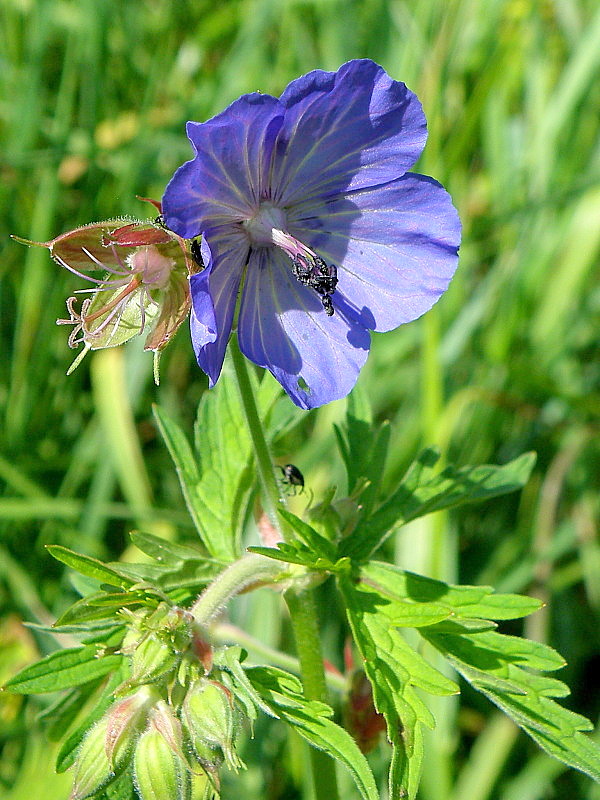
(196, 252)
(322, 277)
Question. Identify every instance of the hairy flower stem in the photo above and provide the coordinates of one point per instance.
(238, 576)
(301, 605)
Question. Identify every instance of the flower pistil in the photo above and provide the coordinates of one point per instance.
(267, 227)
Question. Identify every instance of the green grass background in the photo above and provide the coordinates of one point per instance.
(94, 95)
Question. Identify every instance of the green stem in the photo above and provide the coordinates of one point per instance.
(264, 462)
(237, 577)
(303, 614)
(301, 604)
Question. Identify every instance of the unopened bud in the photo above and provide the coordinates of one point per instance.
(209, 716)
(152, 659)
(159, 773)
(125, 718)
(204, 786)
(209, 758)
(168, 725)
(107, 745)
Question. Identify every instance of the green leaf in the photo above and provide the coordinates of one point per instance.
(397, 583)
(102, 605)
(65, 710)
(185, 465)
(493, 664)
(293, 553)
(374, 470)
(382, 596)
(422, 491)
(504, 606)
(311, 720)
(400, 612)
(363, 450)
(106, 637)
(394, 670)
(117, 599)
(298, 553)
(226, 460)
(466, 603)
(230, 659)
(492, 651)
(317, 544)
(62, 670)
(193, 573)
(372, 615)
(101, 627)
(84, 611)
(355, 439)
(216, 482)
(167, 553)
(273, 679)
(406, 771)
(458, 624)
(90, 567)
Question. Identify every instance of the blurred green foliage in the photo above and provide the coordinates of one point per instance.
(93, 102)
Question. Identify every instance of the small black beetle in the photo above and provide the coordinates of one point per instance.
(293, 477)
(196, 252)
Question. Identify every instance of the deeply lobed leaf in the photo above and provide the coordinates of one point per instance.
(422, 491)
(282, 693)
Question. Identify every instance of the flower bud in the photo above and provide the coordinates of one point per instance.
(177, 625)
(209, 758)
(125, 718)
(107, 745)
(159, 772)
(152, 659)
(169, 727)
(208, 715)
(156, 643)
(203, 786)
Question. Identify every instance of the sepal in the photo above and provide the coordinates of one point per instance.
(160, 771)
(106, 747)
(210, 719)
(139, 271)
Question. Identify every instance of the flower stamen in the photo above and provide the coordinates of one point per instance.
(110, 312)
(77, 319)
(101, 265)
(85, 277)
(116, 301)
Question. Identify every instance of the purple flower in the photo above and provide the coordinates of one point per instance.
(305, 205)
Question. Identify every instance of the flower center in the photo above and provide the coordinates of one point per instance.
(267, 227)
(268, 221)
